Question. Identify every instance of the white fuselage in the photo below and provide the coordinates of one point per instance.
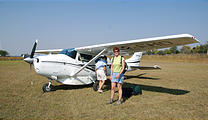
(60, 67)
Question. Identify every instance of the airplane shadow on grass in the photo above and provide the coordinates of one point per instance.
(149, 87)
(140, 77)
(155, 88)
(70, 87)
(129, 85)
(152, 88)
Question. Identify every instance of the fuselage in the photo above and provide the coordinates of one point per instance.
(61, 67)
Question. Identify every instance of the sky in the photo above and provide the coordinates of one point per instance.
(68, 24)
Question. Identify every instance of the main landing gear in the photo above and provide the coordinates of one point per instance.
(95, 85)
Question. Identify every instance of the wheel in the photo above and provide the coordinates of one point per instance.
(45, 88)
(96, 85)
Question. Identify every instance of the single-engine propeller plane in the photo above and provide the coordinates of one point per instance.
(75, 66)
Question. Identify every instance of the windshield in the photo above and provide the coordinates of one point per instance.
(69, 52)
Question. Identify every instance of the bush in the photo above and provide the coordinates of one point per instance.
(3, 53)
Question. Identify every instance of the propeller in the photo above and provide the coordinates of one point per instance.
(34, 48)
(30, 60)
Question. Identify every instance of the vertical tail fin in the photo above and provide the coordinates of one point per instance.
(135, 59)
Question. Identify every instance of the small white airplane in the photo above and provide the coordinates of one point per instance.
(75, 66)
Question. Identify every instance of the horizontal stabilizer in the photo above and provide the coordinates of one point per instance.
(155, 67)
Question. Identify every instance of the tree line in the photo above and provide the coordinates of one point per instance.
(202, 49)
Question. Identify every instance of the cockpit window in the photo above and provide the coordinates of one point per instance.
(69, 52)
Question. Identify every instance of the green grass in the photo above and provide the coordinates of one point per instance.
(179, 91)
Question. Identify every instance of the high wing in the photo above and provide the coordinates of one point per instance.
(131, 46)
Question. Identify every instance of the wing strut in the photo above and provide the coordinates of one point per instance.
(88, 63)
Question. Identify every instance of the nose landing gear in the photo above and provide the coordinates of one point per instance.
(47, 87)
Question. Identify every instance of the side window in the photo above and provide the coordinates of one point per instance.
(85, 57)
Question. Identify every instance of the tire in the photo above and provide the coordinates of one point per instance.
(96, 85)
(45, 88)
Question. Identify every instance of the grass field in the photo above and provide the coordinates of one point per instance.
(179, 91)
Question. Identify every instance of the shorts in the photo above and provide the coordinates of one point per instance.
(101, 75)
(119, 80)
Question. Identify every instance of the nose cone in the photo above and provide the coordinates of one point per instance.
(28, 60)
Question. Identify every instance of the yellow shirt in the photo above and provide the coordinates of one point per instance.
(117, 64)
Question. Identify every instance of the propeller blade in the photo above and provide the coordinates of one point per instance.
(31, 82)
(33, 49)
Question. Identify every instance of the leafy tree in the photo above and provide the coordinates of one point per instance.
(203, 49)
(160, 52)
(195, 49)
(174, 50)
(155, 51)
(200, 49)
(167, 51)
(3, 53)
(186, 49)
(149, 52)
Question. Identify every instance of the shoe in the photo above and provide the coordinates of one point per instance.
(110, 102)
(118, 103)
(100, 91)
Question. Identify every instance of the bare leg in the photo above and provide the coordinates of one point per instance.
(113, 85)
(100, 84)
(119, 91)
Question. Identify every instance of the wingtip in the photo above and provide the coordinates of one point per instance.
(192, 37)
(157, 67)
